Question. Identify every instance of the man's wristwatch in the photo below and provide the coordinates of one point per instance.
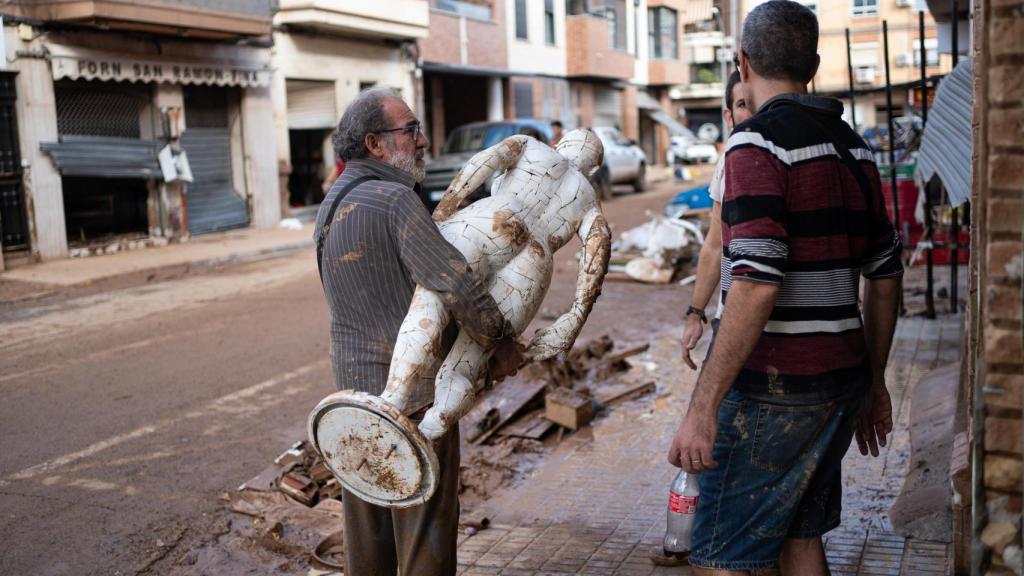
(698, 312)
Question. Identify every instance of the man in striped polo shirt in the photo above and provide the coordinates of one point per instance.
(797, 368)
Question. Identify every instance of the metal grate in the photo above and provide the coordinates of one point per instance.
(13, 223)
(99, 108)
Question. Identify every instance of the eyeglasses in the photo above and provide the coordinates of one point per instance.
(413, 129)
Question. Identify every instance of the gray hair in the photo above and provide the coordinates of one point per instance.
(780, 39)
(363, 116)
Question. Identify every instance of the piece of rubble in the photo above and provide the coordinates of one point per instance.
(568, 408)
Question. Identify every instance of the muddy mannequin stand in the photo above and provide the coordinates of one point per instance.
(376, 452)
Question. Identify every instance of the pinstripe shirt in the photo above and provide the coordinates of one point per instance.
(381, 244)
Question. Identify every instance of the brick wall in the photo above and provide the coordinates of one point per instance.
(587, 51)
(997, 337)
(486, 44)
(630, 113)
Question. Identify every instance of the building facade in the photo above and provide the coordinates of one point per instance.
(709, 54)
(102, 91)
(324, 53)
(464, 60)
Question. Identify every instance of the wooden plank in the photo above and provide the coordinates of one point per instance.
(619, 356)
(508, 398)
(532, 425)
(622, 391)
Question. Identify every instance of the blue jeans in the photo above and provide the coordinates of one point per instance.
(778, 477)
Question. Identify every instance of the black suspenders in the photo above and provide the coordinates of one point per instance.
(321, 239)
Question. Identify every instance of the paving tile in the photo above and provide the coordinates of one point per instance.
(601, 504)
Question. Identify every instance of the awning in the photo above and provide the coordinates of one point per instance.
(84, 64)
(652, 108)
(697, 11)
(947, 140)
(105, 157)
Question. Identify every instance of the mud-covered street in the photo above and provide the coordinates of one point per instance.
(128, 411)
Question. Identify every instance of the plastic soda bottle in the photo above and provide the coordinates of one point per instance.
(682, 509)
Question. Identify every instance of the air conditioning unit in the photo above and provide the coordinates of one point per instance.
(904, 59)
(904, 3)
(864, 74)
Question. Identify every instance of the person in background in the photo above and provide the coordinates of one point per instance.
(556, 133)
(795, 371)
(709, 263)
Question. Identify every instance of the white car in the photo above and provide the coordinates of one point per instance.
(624, 161)
(691, 151)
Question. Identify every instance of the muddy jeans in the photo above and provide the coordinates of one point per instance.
(417, 541)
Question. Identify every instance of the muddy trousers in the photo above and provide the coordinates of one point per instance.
(417, 541)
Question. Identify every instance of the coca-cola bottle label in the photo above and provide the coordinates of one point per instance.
(682, 504)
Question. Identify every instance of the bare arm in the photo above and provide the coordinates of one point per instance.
(750, 305)
(709, 272)
(474, 174)
(560, 335)
(881, 310)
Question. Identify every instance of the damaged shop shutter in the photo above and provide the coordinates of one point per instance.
(607, 107)
(211, 201)
(311, 105)
(104, 157)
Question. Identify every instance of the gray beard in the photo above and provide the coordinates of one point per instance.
(408, 163)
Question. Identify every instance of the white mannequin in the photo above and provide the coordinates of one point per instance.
(539, 199)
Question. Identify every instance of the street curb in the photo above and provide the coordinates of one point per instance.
(238, 258)
(179, 267)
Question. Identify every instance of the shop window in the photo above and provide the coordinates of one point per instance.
(522, 98)
(102, 208)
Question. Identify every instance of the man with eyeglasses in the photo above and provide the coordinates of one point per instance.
(375, 243)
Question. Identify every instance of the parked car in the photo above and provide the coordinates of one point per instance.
(463, 143)
(689, 149)
(624, 161)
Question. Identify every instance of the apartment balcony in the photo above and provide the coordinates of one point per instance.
(666, 72)
(588, 51)
(391, 19)
(214, 19)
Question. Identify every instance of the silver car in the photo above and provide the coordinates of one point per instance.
(624, 161)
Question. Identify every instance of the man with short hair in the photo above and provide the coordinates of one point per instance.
(709, 262)
(378, 242)
(794, 371)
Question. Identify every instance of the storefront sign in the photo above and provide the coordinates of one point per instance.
(109, 69)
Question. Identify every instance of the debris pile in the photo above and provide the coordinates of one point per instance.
(656, 251)
(295, 502)
(296, 511)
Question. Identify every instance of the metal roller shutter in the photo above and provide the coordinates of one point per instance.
(311, 105)
(607, 106)
(211, 201)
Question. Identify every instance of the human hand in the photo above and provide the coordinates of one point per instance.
(507, 358)
(694, 440)
(692, 332)
(875, 421)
